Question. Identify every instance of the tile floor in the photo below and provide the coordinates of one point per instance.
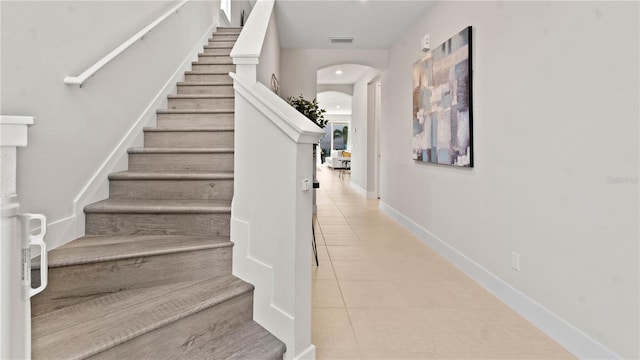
(380, 293)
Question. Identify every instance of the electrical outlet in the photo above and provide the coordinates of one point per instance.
(515, 261)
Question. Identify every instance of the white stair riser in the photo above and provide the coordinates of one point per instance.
(181, 162)
(70, 285)
(195, 120)
(220, 78)
(189, 139)
(157, 224)
(217, 51)
(190, 103)
(172, 189)
(168, 342)
(206, 90)
(213, 67)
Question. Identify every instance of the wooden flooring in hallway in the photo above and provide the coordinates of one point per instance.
(381, 293)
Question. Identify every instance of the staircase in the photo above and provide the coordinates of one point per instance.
(152, 277)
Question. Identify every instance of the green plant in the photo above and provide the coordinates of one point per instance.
(310, 109)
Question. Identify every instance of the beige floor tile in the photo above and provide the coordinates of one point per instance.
(336, 229)
(323, 254)
(326, 293)
(391, 330)
(370, 294)
(479, 297)
(382, 293)
(345, 353)
(428, 295)
(333, 221)
(358, 270)
(355, 253)
(332, 329)
(369, 220)
(342, 239)
(322, 272)
(397, 355)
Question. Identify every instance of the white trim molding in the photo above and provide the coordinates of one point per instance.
(567, 335)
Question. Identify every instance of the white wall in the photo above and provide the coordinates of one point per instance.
(77, 128)
(556, 156)
(236, 11)
(302, 65)
(362, 136)
(343, 88)
(269, 62)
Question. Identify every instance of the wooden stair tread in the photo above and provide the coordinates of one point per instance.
(92, 249)
(160, 206)
(179, 150)
(203, 83)
(213, 55)
(206, 72)
(195, 111)
(74, 333)
(188, 129)
(230, 62)
(248, 341)
(142, 175)
(200, 96)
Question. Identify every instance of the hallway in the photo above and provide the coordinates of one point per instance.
(381, 293)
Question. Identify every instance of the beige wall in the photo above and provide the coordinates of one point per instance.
(556, 156)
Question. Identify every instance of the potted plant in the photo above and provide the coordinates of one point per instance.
(310, 109)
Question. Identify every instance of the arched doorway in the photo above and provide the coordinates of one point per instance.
(346, 93)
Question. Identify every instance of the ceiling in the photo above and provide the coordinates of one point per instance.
(376, 24)
(350, 73)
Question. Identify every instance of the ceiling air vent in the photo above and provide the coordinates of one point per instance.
(342, 39)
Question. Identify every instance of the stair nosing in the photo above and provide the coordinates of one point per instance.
(213, 55)
(187, 129)
(207, 72)
(220, 63)
(149, 206)
(202, 83)
(195, 111)
(158, 150)
(199, 96)
(167, 175)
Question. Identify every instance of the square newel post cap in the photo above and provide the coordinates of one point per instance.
(13, 130)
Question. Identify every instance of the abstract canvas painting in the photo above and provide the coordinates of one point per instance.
(442, 106)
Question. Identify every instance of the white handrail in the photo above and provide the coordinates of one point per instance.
(80, 79)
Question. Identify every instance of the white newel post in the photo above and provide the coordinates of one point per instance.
(15, 242)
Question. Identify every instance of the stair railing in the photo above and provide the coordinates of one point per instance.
(93, 69)
(16, 240)
(272, 205)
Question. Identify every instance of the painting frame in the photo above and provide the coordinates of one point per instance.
(443, 103)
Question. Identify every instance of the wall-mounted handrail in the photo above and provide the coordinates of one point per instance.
(80, 79)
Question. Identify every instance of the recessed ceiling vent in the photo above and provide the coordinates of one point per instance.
(342, 39)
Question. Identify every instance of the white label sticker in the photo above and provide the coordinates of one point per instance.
(26, 266)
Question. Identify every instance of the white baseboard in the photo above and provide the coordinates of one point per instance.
(363, 192)
(61, 231)
(567, 335)
(308, 354)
